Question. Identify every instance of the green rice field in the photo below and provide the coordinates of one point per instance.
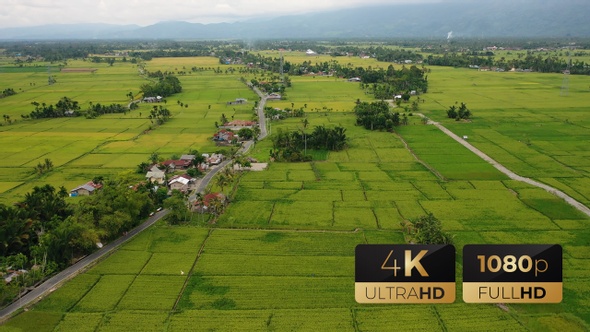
(281, 257)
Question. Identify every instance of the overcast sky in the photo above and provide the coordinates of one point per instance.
(19, 13)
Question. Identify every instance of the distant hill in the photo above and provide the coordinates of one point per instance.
(67, 31)
(495, 18)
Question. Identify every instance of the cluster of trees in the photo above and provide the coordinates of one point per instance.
(64, 107)
(96, 110)
(159, 114)
(53, 51)
(45, 232)
(380, 53)
(292, 146)
(246, 133)
(109, 60)
(271, 112)
(69, 107)
(376, 116)
(165, 86)
(275, 85)
(7, 92)
(459, 113)
(538, 63)
(6, 118)
(384, 84)
(196, 50)
(426, 230)
(44, 167)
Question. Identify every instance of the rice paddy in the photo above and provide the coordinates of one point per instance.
(282, 255)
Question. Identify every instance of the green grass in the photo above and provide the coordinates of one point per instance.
(282, 255)
(110, 143)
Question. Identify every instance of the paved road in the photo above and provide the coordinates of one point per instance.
(581, 207)
(52, 283)
(202, 184)
(261, 117)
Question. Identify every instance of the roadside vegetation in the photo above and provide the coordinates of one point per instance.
(292, 227)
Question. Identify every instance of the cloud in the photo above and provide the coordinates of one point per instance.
(16, 13)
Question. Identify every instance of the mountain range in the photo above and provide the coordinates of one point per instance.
(516, 18)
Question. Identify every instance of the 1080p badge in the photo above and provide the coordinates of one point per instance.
(512, 274)
(404, 273)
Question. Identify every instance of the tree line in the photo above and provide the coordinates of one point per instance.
(459, 113)
(376, 116)
(292, 146)
(64, 107)
(44, 234)
(7, 92)
(69, 107)
(537, 63)
(54, 51)
(383, 83)
(165, 86)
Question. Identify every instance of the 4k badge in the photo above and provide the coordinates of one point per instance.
(404, 273)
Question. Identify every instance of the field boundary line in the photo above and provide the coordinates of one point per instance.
(432, 170)
(190, 273)
(376, 218)
(70, 272)
(272, 211)
(443, 327)
(133, 281)
(355, 323)
(556, 192)
(287, 230)
(84, 295)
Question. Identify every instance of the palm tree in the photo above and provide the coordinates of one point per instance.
(339, 134)
(16, 231)
(222, 181)
(200, 202)
(48, 164)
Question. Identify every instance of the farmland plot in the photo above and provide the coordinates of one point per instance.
(299, 271)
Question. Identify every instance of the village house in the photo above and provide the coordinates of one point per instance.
(273, 96)
(156, 175)
(12, 274)
(208, 199)
(156, 99)
(85, 189)
(182, 183)
(213, 159)
(224, 135)
(188, 158)
(174, 165)
(238, 101)
(354, 79)
(239, 124)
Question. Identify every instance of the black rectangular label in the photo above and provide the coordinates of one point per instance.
(512, 274)
(404, 263)
(512, 263)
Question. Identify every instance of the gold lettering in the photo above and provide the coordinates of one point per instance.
(410, 263)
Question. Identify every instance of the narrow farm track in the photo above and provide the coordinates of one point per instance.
(571, 201)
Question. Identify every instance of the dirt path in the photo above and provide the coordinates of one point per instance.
(581, 207)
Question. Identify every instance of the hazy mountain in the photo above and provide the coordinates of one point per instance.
(67, 31)
(499, 18)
